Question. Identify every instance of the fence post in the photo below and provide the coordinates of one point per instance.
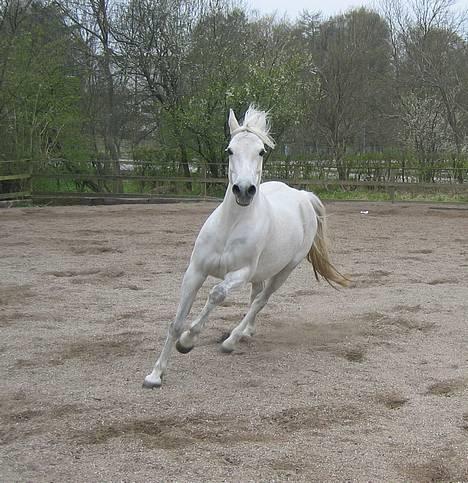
(30, 179)
(204, 181)
(392, 187)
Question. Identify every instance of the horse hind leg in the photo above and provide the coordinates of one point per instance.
(217, 295)
(247, 325)
(257, 287)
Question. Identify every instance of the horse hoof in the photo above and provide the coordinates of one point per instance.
(151, 384)
(226, 350)
(182, 349)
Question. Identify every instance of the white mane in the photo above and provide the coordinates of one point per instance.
(257, 122)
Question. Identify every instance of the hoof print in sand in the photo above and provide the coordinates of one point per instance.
(354, 354)
(393, 401)
(446, 388)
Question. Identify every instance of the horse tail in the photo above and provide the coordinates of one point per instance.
(318, 254)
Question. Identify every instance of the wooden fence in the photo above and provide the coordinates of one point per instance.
(139, 181)
(15, 180)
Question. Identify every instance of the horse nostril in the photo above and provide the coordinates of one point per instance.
(252, 190)
(236, 189)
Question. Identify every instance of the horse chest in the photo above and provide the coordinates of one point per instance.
(227, 254)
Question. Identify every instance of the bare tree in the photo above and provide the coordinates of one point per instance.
(93, 20)
(429, 58)
(154, 38)
(351, 57)
(12, 15)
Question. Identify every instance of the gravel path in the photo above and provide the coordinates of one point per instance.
(368, 383)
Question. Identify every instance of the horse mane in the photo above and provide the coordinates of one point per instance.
(257, 122)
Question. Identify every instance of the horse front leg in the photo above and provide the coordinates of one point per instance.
(217, 295)
(193, 280)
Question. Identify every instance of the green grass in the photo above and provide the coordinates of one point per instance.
(384, 196)
(168, 188)
(434, 197)
(352, 195)
(52, 186)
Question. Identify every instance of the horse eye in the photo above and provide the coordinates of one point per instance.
(229, 151)
(262, 152)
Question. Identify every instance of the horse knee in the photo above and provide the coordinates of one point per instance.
(218, 294)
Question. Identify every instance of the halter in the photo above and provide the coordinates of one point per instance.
(263, 137)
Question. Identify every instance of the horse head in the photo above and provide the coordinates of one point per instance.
(246, 150)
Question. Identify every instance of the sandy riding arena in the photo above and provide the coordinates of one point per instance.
(368, 383)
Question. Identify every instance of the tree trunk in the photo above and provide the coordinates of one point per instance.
(110, 136)
(184, 164)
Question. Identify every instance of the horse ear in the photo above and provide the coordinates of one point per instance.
(233, 124)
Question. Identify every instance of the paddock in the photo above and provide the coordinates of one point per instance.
(365, 383)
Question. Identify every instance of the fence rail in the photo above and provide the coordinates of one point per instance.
(141, 179)
(15, 180)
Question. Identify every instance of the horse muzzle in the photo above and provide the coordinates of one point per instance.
(244, 193)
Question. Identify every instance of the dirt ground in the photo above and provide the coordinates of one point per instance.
(369, 383)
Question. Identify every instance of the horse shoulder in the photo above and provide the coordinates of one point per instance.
(205, 250)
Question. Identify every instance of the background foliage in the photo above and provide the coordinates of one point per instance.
(86, 85)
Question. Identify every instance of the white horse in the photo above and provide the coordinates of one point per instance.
(257, 236)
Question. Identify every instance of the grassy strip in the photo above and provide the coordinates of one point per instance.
(385, 196)
(167, 188)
